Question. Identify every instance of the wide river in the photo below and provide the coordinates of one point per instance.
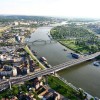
(85, 75)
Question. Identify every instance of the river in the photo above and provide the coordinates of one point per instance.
(85, 75)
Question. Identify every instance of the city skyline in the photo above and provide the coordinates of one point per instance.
(56, 8)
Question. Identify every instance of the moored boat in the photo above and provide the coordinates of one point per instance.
(74, 55)
(43, 59)
(96, 63)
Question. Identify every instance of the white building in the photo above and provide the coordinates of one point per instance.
(14, 72)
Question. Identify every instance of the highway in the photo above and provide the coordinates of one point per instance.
(71, 63)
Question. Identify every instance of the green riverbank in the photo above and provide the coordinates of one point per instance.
(33, 57)
(64, 89)
(71, 45)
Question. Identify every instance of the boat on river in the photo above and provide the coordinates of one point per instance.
(43, 59)
(96, 63)
(65, 49)
(74, 55)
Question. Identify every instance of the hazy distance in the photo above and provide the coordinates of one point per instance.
(61, 8)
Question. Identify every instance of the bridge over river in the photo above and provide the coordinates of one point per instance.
(42, 41)
(71, 63)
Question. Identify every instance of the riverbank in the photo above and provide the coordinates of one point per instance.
(70, 46)
(62, 88)
(33, 57)
(65, 88)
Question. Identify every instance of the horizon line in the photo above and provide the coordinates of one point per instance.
(72, 17)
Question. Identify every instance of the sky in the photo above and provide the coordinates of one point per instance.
(57, 8)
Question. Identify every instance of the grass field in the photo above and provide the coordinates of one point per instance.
(62, 88)
(71, 44)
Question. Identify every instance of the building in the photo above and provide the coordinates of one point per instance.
(7, 68)
(56, 96)
(48, 96)
(14, 70)
(16, 23)
(25, 70)
(5, 73)
(37, 83)
(42, 90)
(17, 38)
